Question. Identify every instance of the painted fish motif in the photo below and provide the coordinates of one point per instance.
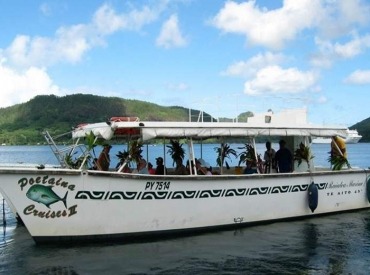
(45, 195)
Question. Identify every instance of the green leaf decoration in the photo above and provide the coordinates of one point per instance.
(338, 162)
(176, 151)
(224, 152)
(303, 153)
(248, 154)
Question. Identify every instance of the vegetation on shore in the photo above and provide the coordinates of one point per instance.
(24, 123)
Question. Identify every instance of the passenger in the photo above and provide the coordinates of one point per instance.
(126, 169)
(269, 158)
(160, 170)
(104, 158)
(95, 164)
(249, 169)
(284, 158)
(190, 165)
(338, 147)
(202, 166)
(151, 169)
(180, 168)
(141, 167)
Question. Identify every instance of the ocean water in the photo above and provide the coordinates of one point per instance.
(335, 244)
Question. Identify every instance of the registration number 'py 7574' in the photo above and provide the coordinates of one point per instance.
(157, 185)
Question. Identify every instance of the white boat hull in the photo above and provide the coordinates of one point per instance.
(105, 205)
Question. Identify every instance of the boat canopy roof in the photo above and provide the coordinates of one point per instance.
(147, 130)
(291, 122)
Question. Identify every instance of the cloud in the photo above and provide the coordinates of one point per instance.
(274, 28)
(170, 35)
(250, 67)
(19, 87)
(337, 18)
(358, 77)
(70, 43)
(352, 48)
(269, 28)
(108, 21)
(24, 63)
(274, 79)
(329, 51)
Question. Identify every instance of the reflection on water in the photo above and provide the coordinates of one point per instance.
(337, 244)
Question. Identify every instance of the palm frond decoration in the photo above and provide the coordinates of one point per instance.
(176, 151)
(303, 153)
(123, 157)
(90, 142)
(338, 162)
(135, 151)
(224, 152)
(248, 154)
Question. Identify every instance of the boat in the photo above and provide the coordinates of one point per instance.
(352, 137)
(74, 203)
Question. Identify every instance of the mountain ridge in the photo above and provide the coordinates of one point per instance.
(23, 123)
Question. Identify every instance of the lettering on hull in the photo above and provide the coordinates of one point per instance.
(47, 192)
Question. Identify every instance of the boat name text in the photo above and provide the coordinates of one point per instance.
(31, 210)
(344, 185)
(23, 182)
(157, 185)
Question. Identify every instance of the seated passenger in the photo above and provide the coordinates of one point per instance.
(126, 169)
(103, 161)
(151, 169)
(190, 167)
(180, 168)
(141, 167)
(160, 170)
(202, 167)
(249, 169)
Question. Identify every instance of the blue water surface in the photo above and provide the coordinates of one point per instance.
(335, 244)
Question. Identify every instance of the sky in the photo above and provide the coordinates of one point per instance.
(223, 57)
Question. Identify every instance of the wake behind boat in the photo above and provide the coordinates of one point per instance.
(73, 202)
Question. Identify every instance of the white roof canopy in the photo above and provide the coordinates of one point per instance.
(201, 130)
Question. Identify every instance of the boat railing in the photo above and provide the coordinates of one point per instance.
(61, 152)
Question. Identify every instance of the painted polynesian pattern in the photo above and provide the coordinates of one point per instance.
(193, 194)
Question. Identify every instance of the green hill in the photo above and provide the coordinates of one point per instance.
(363, 128)
(23, 123)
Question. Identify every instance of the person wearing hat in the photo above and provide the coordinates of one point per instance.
(160, 170)
(203, 168)
(284, 158)
(103, 161)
